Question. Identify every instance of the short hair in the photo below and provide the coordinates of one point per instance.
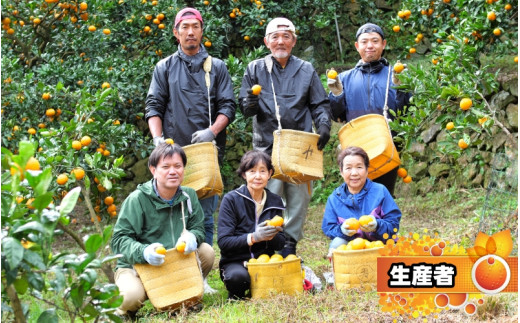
(166, 150)
(353, 151)
(252, 158)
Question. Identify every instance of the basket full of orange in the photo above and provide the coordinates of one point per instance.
(355, 264)
(275, 275)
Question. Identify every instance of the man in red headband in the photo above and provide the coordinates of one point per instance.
(177, 101)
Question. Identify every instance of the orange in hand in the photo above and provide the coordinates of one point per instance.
(256, 89)
(181, 246)
(365, 219)
(353, 223)
(332, 74)
(160, 250)
(276, 221)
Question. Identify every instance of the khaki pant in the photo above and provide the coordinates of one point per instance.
(132, 289)
(296, 198)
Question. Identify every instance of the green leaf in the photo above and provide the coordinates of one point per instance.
(21, 285)
(77, 295)
(69, 201)
(26, 150)
(107, 234)
(58, 282)
(48, 316)
(34, 259)
(33, 225)
(40, 183)
(93, 243)
(13, 251)
(91, 310)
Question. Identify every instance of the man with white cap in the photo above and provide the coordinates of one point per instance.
(302, 101)
(177, 100)
(362, 90)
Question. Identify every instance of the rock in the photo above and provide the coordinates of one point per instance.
(486, 156)
(417, 149)
(500, 100)
(442, 185)
(510, 84)
(498, 141)
(478, 180)
(429, 134)
(424, 186)
(418, 169)
(128, 188)
(438, 170)
(470, 171)
(141, 171)
(512, 115)
(128, 162)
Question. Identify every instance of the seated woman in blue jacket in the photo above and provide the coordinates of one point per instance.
(242, 229)
(356, 197)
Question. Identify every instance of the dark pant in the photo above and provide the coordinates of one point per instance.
(209, 205)
(236, 279)
(388, 180)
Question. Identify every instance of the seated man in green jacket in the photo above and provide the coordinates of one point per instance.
(151, 216)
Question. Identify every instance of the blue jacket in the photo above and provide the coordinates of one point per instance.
(237, 218)
(364, 90)
(374, 199)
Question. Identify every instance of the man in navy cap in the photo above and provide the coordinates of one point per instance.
(177, 100)
(362, 90)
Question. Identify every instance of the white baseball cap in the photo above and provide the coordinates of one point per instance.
(279, 24)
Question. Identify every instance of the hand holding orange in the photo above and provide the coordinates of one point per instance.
(256, 89)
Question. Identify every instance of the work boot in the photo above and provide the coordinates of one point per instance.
(289, 248)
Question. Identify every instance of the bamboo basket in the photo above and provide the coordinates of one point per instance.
(295, 156)
(175, 283)
(283, 277)
(371, 133)
(355, 268)
(202, 171)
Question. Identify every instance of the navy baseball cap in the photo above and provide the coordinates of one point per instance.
(370, 28)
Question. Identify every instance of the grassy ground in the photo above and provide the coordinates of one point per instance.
(454, 215)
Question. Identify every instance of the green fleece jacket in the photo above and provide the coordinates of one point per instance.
(145, 218)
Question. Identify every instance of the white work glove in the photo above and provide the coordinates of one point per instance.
(371, 226)
(396, 79)
(152, 257)
(345, 230)
(205, 135)
(335, 86)
(158, 140)
(190, 240)
(265, 232)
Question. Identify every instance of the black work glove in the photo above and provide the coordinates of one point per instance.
(250, 104)
(324, 133)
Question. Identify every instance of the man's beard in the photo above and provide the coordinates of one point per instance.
(191, 47)
(280, 54)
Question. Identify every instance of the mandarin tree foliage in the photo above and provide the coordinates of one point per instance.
(461, 41)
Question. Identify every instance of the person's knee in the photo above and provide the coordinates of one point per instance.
(131, 289)
(206, 255)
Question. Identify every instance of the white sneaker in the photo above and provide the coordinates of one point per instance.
(207, 288)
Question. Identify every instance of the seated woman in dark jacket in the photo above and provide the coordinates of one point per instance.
(242, 229)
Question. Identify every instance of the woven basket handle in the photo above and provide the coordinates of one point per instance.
(269, 65)
(385, 108)
(182, 217)
(207, 68)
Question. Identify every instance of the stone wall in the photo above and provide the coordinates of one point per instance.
(433, 171)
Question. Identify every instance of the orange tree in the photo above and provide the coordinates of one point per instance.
(452, 85)
(31, 268)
